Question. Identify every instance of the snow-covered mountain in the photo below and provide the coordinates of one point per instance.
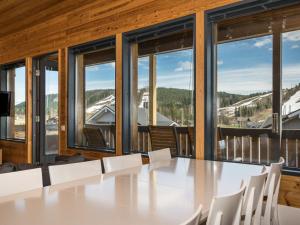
(108, 101)
(229, 111)
(292, 104)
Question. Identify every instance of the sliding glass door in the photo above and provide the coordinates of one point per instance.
(247, 116)
(46, 123)
(257, 89)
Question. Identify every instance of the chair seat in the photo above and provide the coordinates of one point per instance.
(288, 215)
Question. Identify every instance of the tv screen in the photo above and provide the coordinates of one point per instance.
(5, 103)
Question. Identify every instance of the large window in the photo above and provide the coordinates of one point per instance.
(162, 88)
(92, 86)
(13, 81)
(255, 77)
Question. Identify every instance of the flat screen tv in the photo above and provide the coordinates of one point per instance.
(5, 98)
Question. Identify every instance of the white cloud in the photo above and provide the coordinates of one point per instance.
(92, 68)
(295, 46)
(220, 62)
(258, 79)
(291, 36)
(183, 80)
(262, 43)
(107, 84)
(184, 66)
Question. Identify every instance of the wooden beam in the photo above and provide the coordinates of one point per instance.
(119, 88)
(29, 109)
(62, 98)
(133, 95)
(79, 100)
(199, 91)
(152, 90)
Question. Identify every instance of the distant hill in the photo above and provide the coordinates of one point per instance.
(176, 104)
(172, 102)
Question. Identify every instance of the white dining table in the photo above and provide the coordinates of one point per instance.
(164, 193)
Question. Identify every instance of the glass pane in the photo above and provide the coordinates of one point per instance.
(17, 85)
(291, 97)
(244, 99)
(175, 85)
(20, 103)
(244, 85)
(95, 99)
(162, 93)
(51, 111)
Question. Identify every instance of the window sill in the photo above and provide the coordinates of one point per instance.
(92, 149)
(13, 140)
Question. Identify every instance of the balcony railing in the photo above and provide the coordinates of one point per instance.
(255, 145)
(181, 138)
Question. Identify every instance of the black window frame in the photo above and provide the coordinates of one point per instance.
(71, 90)
(212, 17)
(146, 33)
(3, 87)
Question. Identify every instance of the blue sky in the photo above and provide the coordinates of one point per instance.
(173, 70)
(245, 66)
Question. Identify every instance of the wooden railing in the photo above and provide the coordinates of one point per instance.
(255, 145)
(107, 132)
(183, 142)
(182, 139)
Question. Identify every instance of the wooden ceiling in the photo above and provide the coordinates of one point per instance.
(16, 15)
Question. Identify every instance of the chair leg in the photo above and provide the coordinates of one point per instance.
(275, 219)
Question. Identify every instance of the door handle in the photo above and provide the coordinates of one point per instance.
(275, 123)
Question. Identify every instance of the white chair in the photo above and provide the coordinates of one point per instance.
(159, 155)
(116, 163)
(195, 218)
(253, 199)
(20, 181)
(226, 210)
(272, 191)
(288, 215)
(74, 171)
(275, 168)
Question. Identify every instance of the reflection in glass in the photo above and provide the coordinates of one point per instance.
(15, 83)
(51, 110)
(95, 99)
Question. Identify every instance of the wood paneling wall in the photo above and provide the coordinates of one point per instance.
(99, 19)
(15, 152)
(290, 191)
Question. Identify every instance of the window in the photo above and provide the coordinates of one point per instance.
(253, 69)
(291, 97)
(162, 88)
(93, 84)
(13, 80)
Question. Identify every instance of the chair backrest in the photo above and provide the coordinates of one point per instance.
(271, 214)
(74, 171)
(272, 192)
(163, 137)
(20, 181)
(159, 155)
(253, 198)
(94, 137)
(195, 218)
(121, 162)
(275, 168)
(226, 210)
